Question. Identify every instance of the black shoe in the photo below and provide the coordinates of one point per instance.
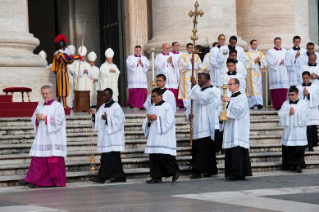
(154, 180)
(207, 175)
(97, 180)
(181, 107)
(298, 169)
(196, 176)
(242, 178)
(232, 178)
(23, 182)
(252, 108)
(119, 180)
(260, 107)
(131, 107)
(142, 108)
(310, 149)
(292, 168)
(31, 186)
(175, 177)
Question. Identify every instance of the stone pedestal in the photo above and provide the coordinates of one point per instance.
(16, 43)
(172, 23)
(266, 19)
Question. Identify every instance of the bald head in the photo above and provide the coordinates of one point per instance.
(312, 58)
(166, 47)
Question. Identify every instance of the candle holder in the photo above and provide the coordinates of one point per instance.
(223, 116)
(153, 84)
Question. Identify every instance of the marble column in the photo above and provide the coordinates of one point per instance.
(172, 23)
(18, 65)
(266, 19)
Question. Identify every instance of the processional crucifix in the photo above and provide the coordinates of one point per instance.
(194, 38)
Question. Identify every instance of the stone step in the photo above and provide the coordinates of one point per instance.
(13, 180)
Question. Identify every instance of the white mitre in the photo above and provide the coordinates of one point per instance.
(109, 53)
(71, 48)
(84, 51)
(92, 56)
(43, 54)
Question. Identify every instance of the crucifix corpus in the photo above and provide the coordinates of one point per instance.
(194, 15)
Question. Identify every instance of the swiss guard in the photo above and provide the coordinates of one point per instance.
(59, 67)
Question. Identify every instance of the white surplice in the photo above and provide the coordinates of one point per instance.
(236, 129)
(109, 79)
(293, 67)
(303, 59)
(313, 102)
(206, 65)
(242, 83)
(216, 67)
(254, 86)
(161, 133)
(295, 126)
(50, 135)
(204, 112)
(95, 71)
(85, 79)
(312, 70)
(278, 75)
(110, 131)
(241, 55)
(168, 97)
(168, 69)
(136, 73)
(241, 68)
(176, 56)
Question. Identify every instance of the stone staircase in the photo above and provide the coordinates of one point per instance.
(16, 137)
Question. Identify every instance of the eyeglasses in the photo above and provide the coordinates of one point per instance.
(231, 84)
(159, 80)
(44, 94)
(153, 97)
(291, 94)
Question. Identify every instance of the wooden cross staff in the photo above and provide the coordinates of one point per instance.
(194, 38)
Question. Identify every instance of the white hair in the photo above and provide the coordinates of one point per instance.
(47, 87)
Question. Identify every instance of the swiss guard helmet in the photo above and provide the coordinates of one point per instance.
(61, 41)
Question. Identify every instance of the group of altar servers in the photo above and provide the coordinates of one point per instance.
(296, 69)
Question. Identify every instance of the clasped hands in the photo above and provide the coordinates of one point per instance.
(104, 116)
(292, 111)
(151, 117)
(40, 116)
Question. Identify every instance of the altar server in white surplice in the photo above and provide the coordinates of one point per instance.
(312, 67)
(291, 62)
(236, 134)
(303, 58)
(109, 123)
(137, 66)
(240, 66)
(85, 75)
(254, 87)
(168, 96)
(216, 66)
(310, 93)
(95, 71)
(294, 116)
(165, 64)
(49, 147)
(185, 65)
(203, 148)
(176, 55)
(278, 75)
(232, 73)
(109, 74)
(241, 55)
(159, 127)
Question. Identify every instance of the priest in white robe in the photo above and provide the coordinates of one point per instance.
(294, 115)
(291, 58)
(240, 66)
(82, 73)
(216, 66)
(167, 95)
(159, 127)
(232, 73)
(257, 64)
(109, 74)
(203, 148)
(278, 75)
(71, 70)
(236, 134)
(310, 93)
(137, 66)
(95, 71)
(109, 123)
(312, 67)
(241, 55)
(185, 65)
(303, 58)
(48, 150)
(165, 64)
(176, 55)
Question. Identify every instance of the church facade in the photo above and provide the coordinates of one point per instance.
(29, 26)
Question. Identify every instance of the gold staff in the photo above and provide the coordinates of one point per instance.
(223, 116)
(194, 37)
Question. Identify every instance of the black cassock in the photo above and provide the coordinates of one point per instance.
(237, 162)
(312, 136)
(111, 166)
(162, 165)
(293, 156)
